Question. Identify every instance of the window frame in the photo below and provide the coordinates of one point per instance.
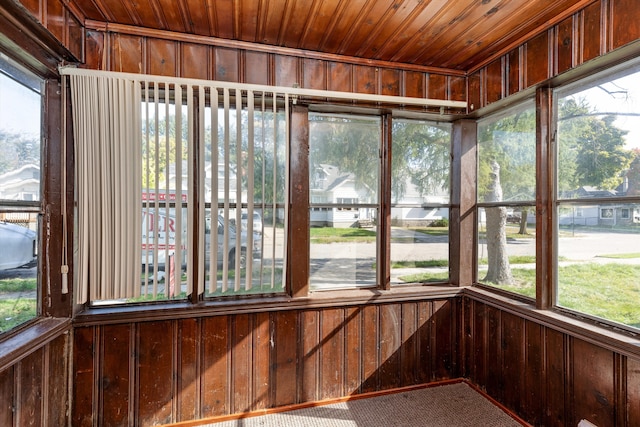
(529, 103)
(22, 76)
(609, 204)
(41, 55)
(385, 204)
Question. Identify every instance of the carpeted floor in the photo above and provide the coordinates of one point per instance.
(443, 406)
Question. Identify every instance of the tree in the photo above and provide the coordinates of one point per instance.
(352, 145)
(506, 172)
(159, 150)
(421, 154)
(591, 149)
(591, 153)
(499, 270)
(17, 150)
(633, 175)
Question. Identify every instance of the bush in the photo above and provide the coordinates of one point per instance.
(444, 222)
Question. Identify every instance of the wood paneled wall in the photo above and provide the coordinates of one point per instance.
(55, 16)
(157, 372)
(194, 57)
(596, 30)
(34, 391)
(548, 377)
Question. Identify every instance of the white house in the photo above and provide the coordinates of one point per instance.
(21, 184)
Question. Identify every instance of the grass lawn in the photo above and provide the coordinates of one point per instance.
(609, 291)
(339, 235)
(16, 309)
(431, 231)
(420, 264)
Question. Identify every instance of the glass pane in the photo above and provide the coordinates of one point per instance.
(507, 173)
(507, 157)
(344, 161)
(419, 245)
(599, 261)
(342, 257)
(18, 268)
(421, 162)
(420, 174)
(19, 135)
(343, 180)
(598, 139)
(250, 205)
(507, 248)
(165, 182)
(599, 164)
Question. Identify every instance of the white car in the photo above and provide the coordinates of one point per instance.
(257, 222)
(19, 246)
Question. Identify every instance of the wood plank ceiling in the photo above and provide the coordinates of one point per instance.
(453, 34)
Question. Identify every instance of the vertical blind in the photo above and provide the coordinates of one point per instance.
(106, 119)
(181, 186)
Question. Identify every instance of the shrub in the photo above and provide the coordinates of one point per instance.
(443, 222)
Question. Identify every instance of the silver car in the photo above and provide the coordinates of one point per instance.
(19, 246)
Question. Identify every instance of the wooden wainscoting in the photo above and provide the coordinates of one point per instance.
(546, 375)
(163, 371)
(34, 389)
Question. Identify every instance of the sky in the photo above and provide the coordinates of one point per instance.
(621, 95)
(17, 106)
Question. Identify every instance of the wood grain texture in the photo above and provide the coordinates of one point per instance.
(412, 32)
(121, 51)
(545, 376)
(182, 370)
(594, 30)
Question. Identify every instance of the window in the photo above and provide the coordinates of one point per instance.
(420, 185)
(344, 151)
(598, 174)
(248, 150)
(506, 200)
(20, 136)
(190, 165)
(345, 206)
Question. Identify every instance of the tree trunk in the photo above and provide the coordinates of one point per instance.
(499, 271)
(523, 221)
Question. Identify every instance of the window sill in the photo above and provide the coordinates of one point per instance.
(30, 338)
(319, 299)
(613, 339)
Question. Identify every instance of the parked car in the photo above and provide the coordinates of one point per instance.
(166, 244)
(19, 246)
(257, 221)
(232, 246)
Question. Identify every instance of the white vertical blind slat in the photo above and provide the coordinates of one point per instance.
(213, 237)
(239, 174)
(201, 193)
(250, 190)
(227, 144)
(178, 187)
(274, 183)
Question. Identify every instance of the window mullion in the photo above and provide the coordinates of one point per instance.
(545, 210)
(384, 205)
(298, 232)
